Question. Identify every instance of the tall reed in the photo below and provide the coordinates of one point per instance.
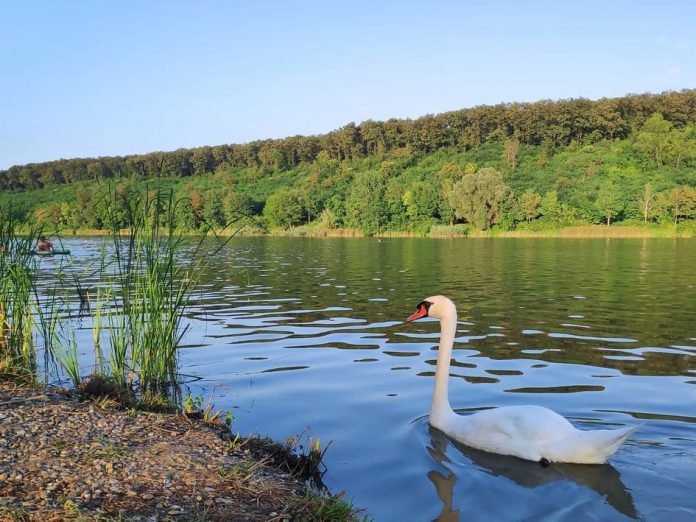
(144, 287)
(150, 285)
(18, 275)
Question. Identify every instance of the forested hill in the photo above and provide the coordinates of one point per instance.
(524, 165)
(548, 123)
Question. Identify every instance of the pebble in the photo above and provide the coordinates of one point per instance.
(60, 456)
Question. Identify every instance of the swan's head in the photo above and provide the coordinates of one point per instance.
(437, 306)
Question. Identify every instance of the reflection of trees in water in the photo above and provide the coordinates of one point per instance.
(604, 479)
(514, 285)
(589, 352)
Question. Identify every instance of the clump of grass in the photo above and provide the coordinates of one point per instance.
(196, 408)
(327, 507)
(143, 294)
(111, 451)
(301, 456)
(156, 402)
(150, 292)
(18, 276)
(104, 388)
(244, 470)
(303, 460)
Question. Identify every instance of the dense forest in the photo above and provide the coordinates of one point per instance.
(509, 166)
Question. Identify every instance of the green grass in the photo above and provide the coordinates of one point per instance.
(142, 295)
(327, 507)
(145, 298)
(18, 278)
(137, 306)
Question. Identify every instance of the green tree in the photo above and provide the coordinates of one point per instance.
(653, 139)
(529, 203)
(69, 216)
(397, 216)
(609, 201)
(646, 201)
(550, 207)
(477, 197)
(236, 204)
(283, 208)
(682, 201)
(337, 207)
(213, 209)
(366, 207)
(421, 201)
(511, 148)
(448, 175)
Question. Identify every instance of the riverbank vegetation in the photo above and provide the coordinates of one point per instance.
(70, 458)
(531, 167)
(135, 308)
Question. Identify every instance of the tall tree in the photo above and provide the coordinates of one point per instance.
(511, 148)
(653, 139)
(529, 203)
(646, 201)
(683, 203)
(609, 201)
(283, 208)
(366, 206)
(477, 197)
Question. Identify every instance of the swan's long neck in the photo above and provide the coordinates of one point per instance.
(441, 409)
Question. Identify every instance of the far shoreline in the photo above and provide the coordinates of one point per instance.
(570, 232)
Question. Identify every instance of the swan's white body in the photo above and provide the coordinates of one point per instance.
(529, 432)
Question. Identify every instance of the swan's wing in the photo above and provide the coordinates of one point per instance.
(533, 432)
(529, 422)
(514, 430)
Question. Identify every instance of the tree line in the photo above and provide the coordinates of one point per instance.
(547, 123)
(644, 172)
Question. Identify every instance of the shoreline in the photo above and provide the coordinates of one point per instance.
(570, 232)
(66, 457)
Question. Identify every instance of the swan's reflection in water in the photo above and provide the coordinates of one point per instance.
(604, 479)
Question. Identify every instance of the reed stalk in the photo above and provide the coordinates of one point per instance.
(18, 275)
(150, 286)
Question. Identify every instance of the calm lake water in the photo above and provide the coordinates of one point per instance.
(307, 335)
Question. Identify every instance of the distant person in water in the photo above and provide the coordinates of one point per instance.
(44, 245)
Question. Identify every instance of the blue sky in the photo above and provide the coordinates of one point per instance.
(87, 78)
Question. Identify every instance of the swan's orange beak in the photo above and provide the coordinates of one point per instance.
(422, 311)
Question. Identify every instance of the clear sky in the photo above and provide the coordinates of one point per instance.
(87, 78)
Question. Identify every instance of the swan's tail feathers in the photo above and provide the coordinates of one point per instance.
(589, 447)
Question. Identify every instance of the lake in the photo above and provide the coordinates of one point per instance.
(306, 335)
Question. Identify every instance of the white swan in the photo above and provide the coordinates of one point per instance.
(529, 432)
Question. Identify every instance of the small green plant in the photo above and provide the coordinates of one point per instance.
(327, 507)
(156, 403)
(244, 470)
(195, 407)
(210, 416)
(71, 507)
(308, 461)
(65, 353)
(192, 404)
(113, 451)
(237, 442)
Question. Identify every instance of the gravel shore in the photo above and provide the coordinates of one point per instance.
(62, 458)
